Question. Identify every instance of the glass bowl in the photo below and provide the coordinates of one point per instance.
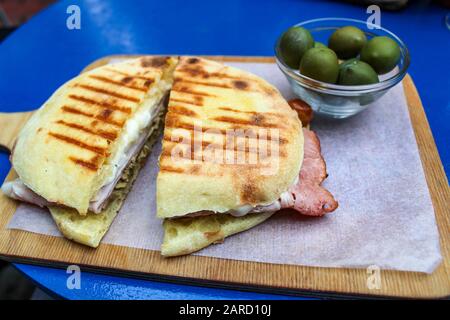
(339, 101)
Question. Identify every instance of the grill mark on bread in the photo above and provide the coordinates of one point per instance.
(205, 144)
(201, 73)
(269, 91)
(193, 169)
(194, 71)
(256, 120)
(248, 193)
(91, 115)
(210, 145)
(130, 76)
(187, 90)
(183, 111)
(105, 114)
(226, 76)
(174, 122)
(193, 60)
(147, 83)
(125, 82)
(78, 143)
(88, 165)
(240, 84)
(110, 93)
(108, 135)
(189, 66)
(242, 146)
(170, 169)
(103, 104)
(154, 62)
(217, 85)
(246, 112)
(193, 155)
(197, 71)
(195, 103)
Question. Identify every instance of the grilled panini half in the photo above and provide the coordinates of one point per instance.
(77, 143)
(209, 103)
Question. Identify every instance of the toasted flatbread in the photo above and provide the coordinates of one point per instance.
(217, 98)
(90, 229)
(63, 152)
(186, 235)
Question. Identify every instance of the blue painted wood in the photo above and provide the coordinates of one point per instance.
(43, 54)
(98, 286)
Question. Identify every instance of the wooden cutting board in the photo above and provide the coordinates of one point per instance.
(26, 247)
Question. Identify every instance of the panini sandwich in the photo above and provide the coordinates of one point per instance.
(204, 199)
(233, 151)
(80, 153)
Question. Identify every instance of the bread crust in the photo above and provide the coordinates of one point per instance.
(187, 235)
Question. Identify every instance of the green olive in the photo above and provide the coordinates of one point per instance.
(354, 72)
(319, 45)
(347, 42)
(382, 53)
(320, 64)
(293, 45)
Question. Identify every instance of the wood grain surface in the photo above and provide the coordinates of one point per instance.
(10, 125)
(21, 246)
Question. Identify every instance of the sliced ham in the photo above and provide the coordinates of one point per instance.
(304, 111)
(310, 198)
(306, 195)
(100, 200)
(16, 189)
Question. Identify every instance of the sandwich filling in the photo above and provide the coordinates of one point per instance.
(137, 131)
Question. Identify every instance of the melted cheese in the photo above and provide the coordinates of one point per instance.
(241, 211)
(136, 125)
(285, 200)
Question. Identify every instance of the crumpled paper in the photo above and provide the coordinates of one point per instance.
(385, 215)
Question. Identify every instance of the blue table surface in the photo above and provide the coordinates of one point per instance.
(43, 54)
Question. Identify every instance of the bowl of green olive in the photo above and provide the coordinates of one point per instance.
(340, 66)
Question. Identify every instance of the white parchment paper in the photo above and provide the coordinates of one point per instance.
(385, 215)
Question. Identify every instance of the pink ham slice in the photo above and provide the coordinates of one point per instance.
(307, 196)
(310, 198)
(16, 189)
